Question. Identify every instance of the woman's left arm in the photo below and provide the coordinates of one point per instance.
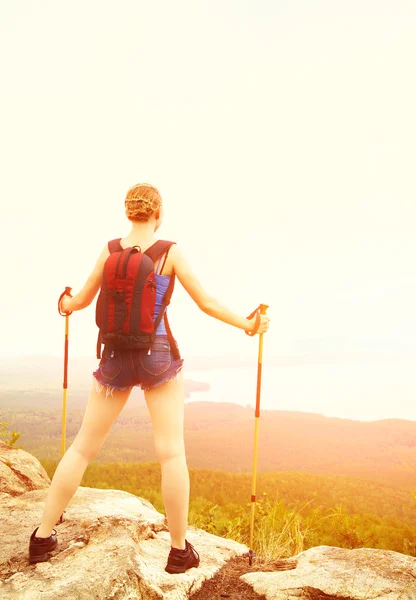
(90, 289)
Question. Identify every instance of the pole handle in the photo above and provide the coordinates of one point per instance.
(261, 309)
(66, 292)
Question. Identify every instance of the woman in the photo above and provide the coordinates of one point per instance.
(159, 374)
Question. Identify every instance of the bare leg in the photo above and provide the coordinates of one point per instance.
(99, 416)
(166, 407)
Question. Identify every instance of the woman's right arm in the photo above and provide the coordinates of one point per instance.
(205, 301)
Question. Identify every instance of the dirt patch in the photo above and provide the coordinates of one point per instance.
(227, 584)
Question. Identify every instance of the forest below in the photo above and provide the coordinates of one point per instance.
(383, 451)
(293, 511)
(320, 480)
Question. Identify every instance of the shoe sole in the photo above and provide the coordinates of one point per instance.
(177, 569)
(42, 557)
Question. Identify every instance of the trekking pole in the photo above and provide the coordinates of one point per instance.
(67, 292)
(250, 553)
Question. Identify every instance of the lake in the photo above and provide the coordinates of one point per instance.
(361, 391)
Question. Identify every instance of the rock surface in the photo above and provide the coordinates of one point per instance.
(20, 471)
(111, 544)
(114, 545)
(328, 572)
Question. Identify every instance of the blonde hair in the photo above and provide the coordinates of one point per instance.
(141, 202)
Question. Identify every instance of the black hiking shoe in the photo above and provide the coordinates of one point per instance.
(39, 547)
(181, 560)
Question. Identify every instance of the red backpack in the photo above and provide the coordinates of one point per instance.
(126, 303)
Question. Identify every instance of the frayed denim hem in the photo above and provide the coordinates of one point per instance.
(109, 389)
(170, 378)
(99, 387)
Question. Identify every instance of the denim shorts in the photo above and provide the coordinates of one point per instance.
(123, 369)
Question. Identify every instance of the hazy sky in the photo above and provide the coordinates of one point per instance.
(281, 135)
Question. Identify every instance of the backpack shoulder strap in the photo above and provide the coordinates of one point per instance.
(175, 350)
(115, 246)
(158, 248)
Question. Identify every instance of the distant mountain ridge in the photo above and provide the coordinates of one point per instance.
(220, 436)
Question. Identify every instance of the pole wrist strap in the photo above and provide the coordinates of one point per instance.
(66, 292)
(257, 323)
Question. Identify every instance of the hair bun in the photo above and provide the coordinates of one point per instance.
(141, 201)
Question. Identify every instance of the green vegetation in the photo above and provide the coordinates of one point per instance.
(321, 481)
(293, 512)
(383, 451)
(10, 437)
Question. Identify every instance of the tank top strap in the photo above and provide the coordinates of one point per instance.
(158, 264)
